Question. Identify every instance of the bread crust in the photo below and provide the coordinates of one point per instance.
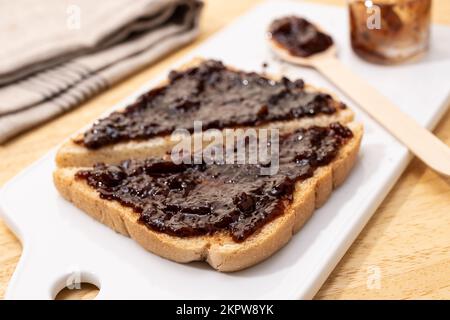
(219, 250)
(72, 154)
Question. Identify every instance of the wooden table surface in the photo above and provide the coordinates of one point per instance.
(402, 253)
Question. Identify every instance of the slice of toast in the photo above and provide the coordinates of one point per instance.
(72, 154)
(219, 249)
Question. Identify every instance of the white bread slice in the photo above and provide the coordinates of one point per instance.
(72, 154)
(219, 250)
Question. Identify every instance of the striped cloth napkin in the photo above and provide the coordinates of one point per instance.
(57, 53)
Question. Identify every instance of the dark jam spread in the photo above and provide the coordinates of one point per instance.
(299, 36)
(213, 94)
(199, 199)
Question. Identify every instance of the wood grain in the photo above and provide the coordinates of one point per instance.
(406, 245)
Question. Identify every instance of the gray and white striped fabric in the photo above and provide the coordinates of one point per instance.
(50, 61)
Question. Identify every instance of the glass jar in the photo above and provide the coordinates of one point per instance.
(389, 31)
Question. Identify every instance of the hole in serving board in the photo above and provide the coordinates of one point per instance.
(77, 285)
(79, 291)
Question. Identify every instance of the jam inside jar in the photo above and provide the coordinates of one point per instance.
(389, 31)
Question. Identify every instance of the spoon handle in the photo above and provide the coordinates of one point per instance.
(419, 140)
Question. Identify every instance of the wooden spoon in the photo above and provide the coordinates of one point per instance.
(419, 140)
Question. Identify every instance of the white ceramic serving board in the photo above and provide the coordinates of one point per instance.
(61, 242)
